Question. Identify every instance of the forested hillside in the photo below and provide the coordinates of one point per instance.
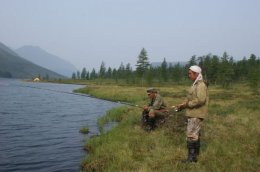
(49, 61)
(13, 66)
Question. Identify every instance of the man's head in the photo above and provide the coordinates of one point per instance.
(194, 71)
(151, 92)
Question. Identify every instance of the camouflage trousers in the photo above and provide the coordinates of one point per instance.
(159, 117)
(193, 128)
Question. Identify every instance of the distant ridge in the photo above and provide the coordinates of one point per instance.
(47, 60)
(14, 66)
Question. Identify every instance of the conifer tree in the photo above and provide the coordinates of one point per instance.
(226, 71)
(73, 75)
(128, 73)
(254, 73)
(164, 73)
(83, 73)
(93, 74)
(176, 72)
(78, 74)
(109, 72)
(142, 65)
(121, 71)
(102, 70)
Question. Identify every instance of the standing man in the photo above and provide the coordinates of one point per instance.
(196, 105)
(154, 110)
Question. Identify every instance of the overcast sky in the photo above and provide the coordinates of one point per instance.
(87, 32)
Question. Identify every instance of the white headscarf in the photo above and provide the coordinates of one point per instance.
(198, 70)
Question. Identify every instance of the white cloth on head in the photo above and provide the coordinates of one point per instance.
(198, 70)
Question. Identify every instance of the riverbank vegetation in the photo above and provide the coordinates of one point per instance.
(230, 137)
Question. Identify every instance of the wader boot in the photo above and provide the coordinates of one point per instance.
(192, 156)
(145, 118)
(150, 124)
(197, 147)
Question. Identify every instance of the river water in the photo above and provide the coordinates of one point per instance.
(40, 123)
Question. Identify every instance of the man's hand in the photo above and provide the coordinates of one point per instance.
(179, 107)
(183, 105)
(146, 107)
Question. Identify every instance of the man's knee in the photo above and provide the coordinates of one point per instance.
(152, 115)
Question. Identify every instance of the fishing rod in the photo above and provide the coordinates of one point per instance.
(130, 104)
(79, 94)
(84, 95)
(174, 108)
(57, 91)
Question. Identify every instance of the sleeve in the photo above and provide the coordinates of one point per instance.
(199, 97)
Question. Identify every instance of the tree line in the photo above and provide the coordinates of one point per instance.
(217, 70)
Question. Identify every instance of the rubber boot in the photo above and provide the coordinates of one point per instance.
(145, 118)
(197, 147)
(150, 124)
(192, 157)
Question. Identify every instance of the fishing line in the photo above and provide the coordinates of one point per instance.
(57, 91)
(78, 94)
(129, 104)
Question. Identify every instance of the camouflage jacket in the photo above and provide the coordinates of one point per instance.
(157, 103)
(197, 100)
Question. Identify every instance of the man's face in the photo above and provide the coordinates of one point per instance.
(192, 75)
(150, 95)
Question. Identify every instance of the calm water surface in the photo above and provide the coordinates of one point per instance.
(39, 128)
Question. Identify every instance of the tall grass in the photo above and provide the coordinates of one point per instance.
(230, 135)
(113, 115)
(115, 93)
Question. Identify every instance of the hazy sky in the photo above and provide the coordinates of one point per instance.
(87, 32)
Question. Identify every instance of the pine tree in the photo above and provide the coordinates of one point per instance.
(93, 74)
(73, 75)
(241, 69)
(254, 73)
(83, 73)
(121, 71)
(87, 75)
(142, 65)
(164, 67)
(176, 72)
(109, 72)
(78, 75)
(128, 73)
(102, 70)
(192, 61)
(226, 70)
(213, 71)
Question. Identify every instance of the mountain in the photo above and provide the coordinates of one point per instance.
(14, 66)
(41, 57)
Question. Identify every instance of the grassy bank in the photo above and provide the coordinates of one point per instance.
(230, 136)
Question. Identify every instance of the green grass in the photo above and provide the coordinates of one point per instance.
(113, 115)
(84, 130)
(230, 134)
(115, 93)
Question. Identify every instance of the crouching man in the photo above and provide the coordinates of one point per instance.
(154, 111)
